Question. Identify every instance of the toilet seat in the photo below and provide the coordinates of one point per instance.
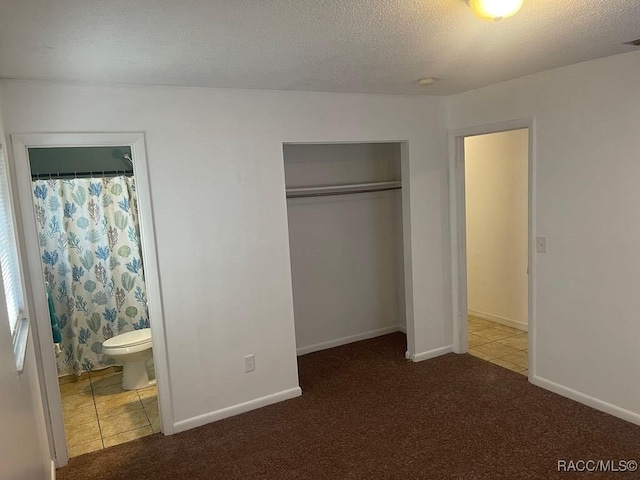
(129, 339)
(130, 342)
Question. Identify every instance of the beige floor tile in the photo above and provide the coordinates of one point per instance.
(478, 320)
(80, 415)
(521, 342)
(510, 330)
(149, 403)
(507, 365)
(476, 326)
(83, 433)
(73, 388)
(127, 436)
(123, 423)
(117, 398)
(67, 379)
(492, 334)
(519, 358)
(149, 392)
(108, 390)
(105, 371)
(475, 353)
(72, 378)
(72, 402)
(118, 406)
(104, 381)
(155, 426)
(478, 329)
(475, 340)
(81, 449)
(97, 410)
(496, 350)
(153, 413)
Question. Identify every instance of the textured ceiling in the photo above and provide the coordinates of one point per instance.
(378, 46)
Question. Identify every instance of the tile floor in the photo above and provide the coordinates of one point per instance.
(98, 413)
(504, 346)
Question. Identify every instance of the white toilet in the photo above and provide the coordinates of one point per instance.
(133, 350)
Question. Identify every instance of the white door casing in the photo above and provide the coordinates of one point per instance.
(458, 230)
(35, 278)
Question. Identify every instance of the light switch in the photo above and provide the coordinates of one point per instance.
(541, 244)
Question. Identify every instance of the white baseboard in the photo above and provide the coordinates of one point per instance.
(210, 417)
(402, 328)
(585, 399)
(53, 470)
(436, 352)
(507, 322)
(350, 339)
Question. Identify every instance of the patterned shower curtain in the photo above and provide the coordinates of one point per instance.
(92, 261)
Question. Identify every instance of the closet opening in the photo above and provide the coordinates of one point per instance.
(345, 216)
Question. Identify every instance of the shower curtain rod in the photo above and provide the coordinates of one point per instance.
(343, 189)
(101, 173)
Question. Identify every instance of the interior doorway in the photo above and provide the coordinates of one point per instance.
(87, 221)
(86, 228)
(496, 198)
(492, 220)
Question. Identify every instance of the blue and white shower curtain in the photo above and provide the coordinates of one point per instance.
(92, 261)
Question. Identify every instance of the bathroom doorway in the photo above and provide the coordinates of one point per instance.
(93, 277)
(493, 236)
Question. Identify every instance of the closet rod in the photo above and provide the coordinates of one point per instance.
(343, 189)
(56, 176)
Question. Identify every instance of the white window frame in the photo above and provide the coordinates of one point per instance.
(17, 319)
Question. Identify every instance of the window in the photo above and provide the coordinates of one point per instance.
(8, 251)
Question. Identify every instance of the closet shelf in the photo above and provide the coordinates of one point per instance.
(348, 189)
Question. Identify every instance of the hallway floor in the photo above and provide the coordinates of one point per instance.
(503, 346)
(98, 413)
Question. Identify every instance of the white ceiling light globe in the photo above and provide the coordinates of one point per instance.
(495, 9)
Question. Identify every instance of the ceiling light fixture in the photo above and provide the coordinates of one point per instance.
(423, 82)
(495, 9)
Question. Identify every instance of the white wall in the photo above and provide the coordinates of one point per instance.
(496, 190)
(588, 204)
(24, 447)
(217, 179)
(346, 250)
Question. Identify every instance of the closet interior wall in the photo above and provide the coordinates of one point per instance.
(346, 250)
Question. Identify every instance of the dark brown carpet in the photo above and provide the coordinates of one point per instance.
(366, 413)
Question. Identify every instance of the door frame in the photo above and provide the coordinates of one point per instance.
(52, 402)
(457, 219)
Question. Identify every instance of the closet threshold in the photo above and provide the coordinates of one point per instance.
(348, 189)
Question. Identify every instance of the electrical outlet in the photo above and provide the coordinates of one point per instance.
(249, 363)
